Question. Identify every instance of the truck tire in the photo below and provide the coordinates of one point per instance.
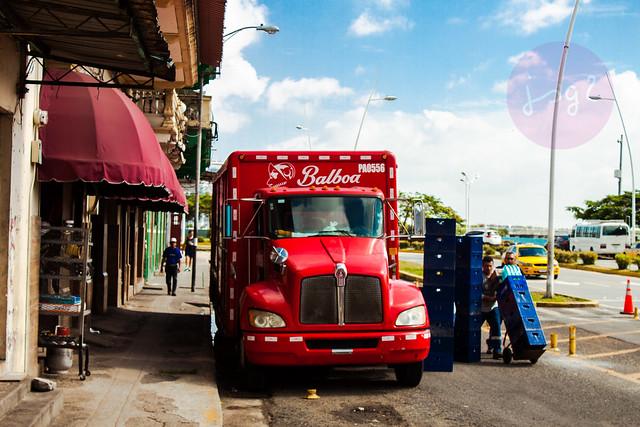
(409, 375)
(225, 351)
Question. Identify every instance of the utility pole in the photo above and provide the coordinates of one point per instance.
(196, 210)
(618, 173)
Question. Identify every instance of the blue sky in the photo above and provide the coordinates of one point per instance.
(448, 63)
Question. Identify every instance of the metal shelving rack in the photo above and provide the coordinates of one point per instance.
(65, 259)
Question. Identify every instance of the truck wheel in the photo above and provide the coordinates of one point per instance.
(409, 375)
(255, 377)
(225, 351)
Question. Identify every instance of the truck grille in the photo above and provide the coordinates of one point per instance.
(363, 300)
(318, 300)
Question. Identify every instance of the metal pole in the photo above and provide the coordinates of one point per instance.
(364, 114)
(466, 203)
(633, 179)
(196, 204)
(620, 167)
(552, 162)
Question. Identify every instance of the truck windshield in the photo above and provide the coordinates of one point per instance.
(325, 216)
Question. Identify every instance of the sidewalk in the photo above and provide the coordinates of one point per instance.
(152, 363)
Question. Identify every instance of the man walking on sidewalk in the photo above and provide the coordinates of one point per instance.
(171, 262)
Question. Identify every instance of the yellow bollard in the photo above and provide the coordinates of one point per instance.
(311, 394)
(554, 342)
(572, 340)
(635, 314)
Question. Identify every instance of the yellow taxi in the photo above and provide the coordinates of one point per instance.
(532, 260)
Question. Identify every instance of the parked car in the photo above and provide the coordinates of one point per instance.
(532, 260)
(490, 237)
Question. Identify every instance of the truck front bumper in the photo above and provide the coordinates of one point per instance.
(314, 349)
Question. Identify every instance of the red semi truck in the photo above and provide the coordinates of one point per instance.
(304, 263)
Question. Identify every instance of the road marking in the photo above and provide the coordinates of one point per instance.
(597, 284)
(562, 282)
(608, 335)
(581, 323)
(611, 353)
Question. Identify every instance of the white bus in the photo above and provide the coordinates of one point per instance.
(602, 237)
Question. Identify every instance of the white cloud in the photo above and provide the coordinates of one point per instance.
(529, 16)
(367, 24)
(283, 94)
(360, 70)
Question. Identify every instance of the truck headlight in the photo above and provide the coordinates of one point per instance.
(415, 316)
(265, 319)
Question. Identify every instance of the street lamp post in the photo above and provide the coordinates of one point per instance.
(269, 29)
(305, 129)
(626, 137)
(552, 162)
(467, 180)
(366, 107)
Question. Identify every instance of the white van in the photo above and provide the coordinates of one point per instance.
(601, 237)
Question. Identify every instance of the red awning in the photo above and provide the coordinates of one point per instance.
(100, 137)
(210, 31)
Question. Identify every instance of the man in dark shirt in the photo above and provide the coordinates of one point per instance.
(171, 262)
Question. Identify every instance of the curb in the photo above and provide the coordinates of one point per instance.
(596, 269)
(568, 304)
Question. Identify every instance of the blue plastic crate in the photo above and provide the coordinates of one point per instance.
(439, 293)
(438, 361)
(441, 323)
(532, 338)
(469, 276)
(439, 277)
(522, 310)
(469, 244)
(439, 260)
(439, 243)
(440, 227)
(531, 323)
(439, 315)
(468, 295)
(469, 321)
(470, 354)
(473, 260)
(466, 336)
(465, 308)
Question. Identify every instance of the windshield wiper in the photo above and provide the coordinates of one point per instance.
(324, 232)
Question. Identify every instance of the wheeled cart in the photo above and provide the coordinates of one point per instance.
(526, 338)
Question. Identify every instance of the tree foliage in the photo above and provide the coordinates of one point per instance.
(610, 207)
(205, 204)
(433, 208)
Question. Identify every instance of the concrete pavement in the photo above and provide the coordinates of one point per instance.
(151, 364)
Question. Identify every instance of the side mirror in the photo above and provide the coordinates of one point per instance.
(418, 220)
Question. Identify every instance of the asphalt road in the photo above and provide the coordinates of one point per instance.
(599, 386)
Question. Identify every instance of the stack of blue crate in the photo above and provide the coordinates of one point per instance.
(521, 319)
(468, 295)
(439, 290)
